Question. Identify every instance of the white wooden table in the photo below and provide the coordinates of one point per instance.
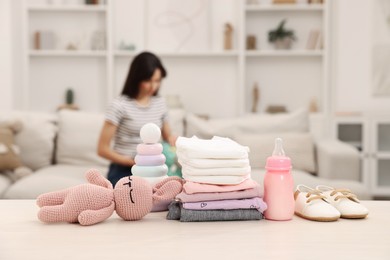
(22, 236)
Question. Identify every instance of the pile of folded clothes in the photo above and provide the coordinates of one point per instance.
(218, 182)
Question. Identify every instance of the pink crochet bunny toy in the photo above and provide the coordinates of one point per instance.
(88, 204)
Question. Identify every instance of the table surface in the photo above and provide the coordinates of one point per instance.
(23, 236)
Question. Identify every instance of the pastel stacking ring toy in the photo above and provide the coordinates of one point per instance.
(149, 149)
(150, 171)
(150, 133)
(153, 181)
(150, 160)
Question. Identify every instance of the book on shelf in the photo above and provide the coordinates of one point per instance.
(44, 40)
(315, 39)
(320, 41)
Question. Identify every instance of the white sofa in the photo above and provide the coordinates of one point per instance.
(61, 147)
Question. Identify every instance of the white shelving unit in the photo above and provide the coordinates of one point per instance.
(284, 7)
(370, 134)
(206, 74)
(67, 8)
(298, 70)
(182, 54)
(285, 53)
(78, 69)
(65, 53)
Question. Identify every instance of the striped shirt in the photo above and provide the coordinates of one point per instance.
(129, 117)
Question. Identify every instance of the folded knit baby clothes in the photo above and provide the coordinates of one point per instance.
(252, 203)
(218, 182)
(205, 196)
(177, 212)
(193, 187)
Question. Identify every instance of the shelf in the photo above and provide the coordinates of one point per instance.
(284, 7)
(67, 53)
(285, 53)
(67, 8)
(181, 54)
(383, 155)
(132, 21)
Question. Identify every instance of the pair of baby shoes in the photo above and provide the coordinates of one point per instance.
(325, 203)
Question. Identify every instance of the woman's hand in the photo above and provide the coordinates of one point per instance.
(126, 161)
(172, 140)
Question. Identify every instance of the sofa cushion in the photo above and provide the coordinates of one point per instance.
(78, 137)
(176, 121)
(297, 121)
(36, 139)
(52, 178)
(5, 182)
(298, 146)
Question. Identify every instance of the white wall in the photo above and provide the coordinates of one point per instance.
(354, 34)
(6, 94)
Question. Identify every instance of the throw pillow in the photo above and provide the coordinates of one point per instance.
(9, 159)
(78, 138)
(38, 131)
(297, 121)
(176, 121)
(298, 146)
(10, 163)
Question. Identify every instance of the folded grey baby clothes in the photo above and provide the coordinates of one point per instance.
(251, 203)
(176, 212)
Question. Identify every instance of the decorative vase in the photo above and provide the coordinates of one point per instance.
(283, 44)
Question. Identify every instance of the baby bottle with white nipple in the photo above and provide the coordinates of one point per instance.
(279, 185)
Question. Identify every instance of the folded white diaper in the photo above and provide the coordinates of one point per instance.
(213, 163)
(242, 171)
(217, 147)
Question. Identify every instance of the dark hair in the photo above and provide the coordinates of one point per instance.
(141, 68)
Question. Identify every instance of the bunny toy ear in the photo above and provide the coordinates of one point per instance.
(93, 176)
(167, 189)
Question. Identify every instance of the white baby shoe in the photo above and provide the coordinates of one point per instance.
(344, 201)
(311, 204)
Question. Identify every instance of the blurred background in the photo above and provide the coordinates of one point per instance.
(225, 58)
(213, 49)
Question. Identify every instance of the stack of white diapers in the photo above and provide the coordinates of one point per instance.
(149, 161)
(219, 161)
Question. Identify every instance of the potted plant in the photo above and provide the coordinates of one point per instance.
(69, 101)
(281, 37)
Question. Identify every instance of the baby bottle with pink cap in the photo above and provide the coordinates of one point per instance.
(279, 185)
